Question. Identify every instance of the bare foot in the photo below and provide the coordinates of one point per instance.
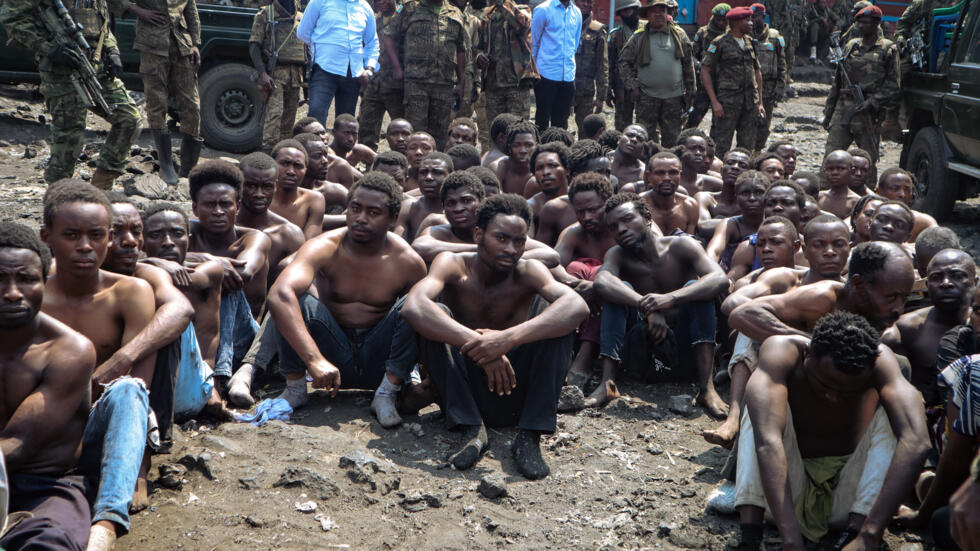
(724, 435)
(603, 394)
(140, 499)
(216, 407)
(713, 404)
(575, 378)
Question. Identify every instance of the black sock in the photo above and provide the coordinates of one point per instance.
(751, 537)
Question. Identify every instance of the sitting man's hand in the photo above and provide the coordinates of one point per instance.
(180, 274)
(909, 517)
(324, 375)
(500, 376)
(489, 346)
(653, 302)
(657, 328)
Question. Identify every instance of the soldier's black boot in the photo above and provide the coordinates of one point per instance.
(164, 156)
(190, 152)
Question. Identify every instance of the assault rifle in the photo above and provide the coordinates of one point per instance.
(839, 58)
(63, 30)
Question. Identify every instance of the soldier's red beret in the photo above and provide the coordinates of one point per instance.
(740, 12)
(870, 11)
(758, 8)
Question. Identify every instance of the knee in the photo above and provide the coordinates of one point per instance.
(126, 390)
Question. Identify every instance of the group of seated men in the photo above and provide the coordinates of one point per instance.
(487, 283)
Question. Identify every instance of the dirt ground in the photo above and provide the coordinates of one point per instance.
(633, 475)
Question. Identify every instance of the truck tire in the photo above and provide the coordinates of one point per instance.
(937, 187)
(232, 108)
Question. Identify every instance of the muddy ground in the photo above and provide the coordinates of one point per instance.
(633, 475)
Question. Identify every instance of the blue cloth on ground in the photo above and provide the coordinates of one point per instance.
(274, 409)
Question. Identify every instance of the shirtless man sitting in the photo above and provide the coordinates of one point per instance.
(848, 467)
(783, 198)
(494, 362)
(673, 284)
(397, 135)
(809, 181)
(770, 164)
(587, 156)
(718, 205)
(826, 245)
(344, 144)
(750, 192)
(498, 137)
(629, 160)
(110, 310)
(420, 144)
(462, 130)
(861, 169)
(838, 199)
(464, 156)
(672, 211)
(461, 195)
(432, 172)
(351, 334)
(301, 206)
(897, 184)
(514, 170)
(338, 169)
(860, 219)
(318, 171)
(550, 165)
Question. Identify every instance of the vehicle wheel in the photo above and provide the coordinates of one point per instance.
(232, 109)
(938, 189)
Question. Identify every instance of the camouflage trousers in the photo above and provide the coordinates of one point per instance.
(280, 106)
(480, 106)
(171, 76)
(701, 106)
(466, 102)
(375, 102)
(763, 127)
(624, 112)
(842, 134)
(666, 113)
(584, 103)
(68, 112)
(740, 116)
(512, 99)
(428, 107)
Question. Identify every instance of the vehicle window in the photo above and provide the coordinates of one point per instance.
(969, 48)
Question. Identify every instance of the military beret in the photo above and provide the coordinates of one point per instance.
(720, 9)
(870, 11)
(758, 8)
(740, 12)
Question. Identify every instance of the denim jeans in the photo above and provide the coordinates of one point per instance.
(112, 448)
(235, 333)
(194, 379)
(324, 87)
(362, 355)
(624, 339)
(264, 346)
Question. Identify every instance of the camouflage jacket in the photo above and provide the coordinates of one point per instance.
(292, 50)
(786, 15)
(853, 32)
(915, 14)
(874, 68)
(24, 29)
(183, 26)
(735, 67)
(815, 13)
(430, 39)
(505, 38)
(591, 59)
(703, 38)
(770, 49)
(618, 38)
(629, 58)
(384, 78)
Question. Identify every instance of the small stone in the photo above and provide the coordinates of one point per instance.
(147, 185)
(42, 119)
(416, 429)
(570, 399)
(361, 475)
(205, 462)
(655, 449)
(360, 459)
(492, 486)
(171, 476)
(414, 501)
(295, 477)
(248, 483)
(254, 522)
(680, 404)
(30, 152)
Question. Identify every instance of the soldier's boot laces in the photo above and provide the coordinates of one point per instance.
(161, 140)
(190, 152)
(103, 178)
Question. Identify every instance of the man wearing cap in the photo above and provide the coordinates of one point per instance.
(872, 62)
(771, 51)
(703, 38)
(556, 27)
(657, 65)
(590, 65)
(735, 94)
(629, 18)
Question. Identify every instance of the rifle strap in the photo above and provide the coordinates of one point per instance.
(292, 32)
(97, 56)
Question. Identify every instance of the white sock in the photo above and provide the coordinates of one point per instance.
(295, 392)
(387, 388)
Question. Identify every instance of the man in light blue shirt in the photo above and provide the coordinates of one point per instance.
(344, 40)
(556, 27)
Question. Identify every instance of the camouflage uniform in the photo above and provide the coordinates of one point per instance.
(875, 69)
(166, 64)
(702, 39)
(913, 18)
(771, 51)
(65, 106)
(505, 38)
(480, 104)
(653, 111)
(786, 16)
(618, 38)
(430, 39)
(817, 31)
(590, 69)
(382, 94)
(736, 90)
(470, 90)
(280, 107)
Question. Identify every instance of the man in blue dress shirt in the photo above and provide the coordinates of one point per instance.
(556, 26)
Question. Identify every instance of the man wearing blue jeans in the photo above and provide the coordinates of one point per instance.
(343, 37)
(556, 27)
(672, 283)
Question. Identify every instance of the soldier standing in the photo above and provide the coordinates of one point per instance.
(590, 65)
(472, 24)
(57, 64)
(703, 38)
(431, 34)
(820, 23)
(770, 49)
(278, 40)
(383, 93)
(657, 66)
(629, 21)
(786, 16)
(872, 64)
(504, 54)
(736, 99)
(168, 33)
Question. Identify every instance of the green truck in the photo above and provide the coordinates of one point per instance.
(942, 103)
(231, 104)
